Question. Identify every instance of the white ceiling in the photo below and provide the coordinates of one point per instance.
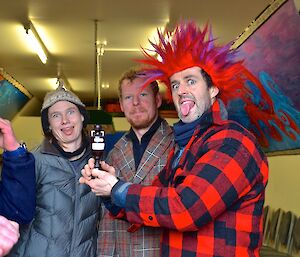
(67, 29)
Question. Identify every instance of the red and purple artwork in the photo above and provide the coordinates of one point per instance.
(272, 54)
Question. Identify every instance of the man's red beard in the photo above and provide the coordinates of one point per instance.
(140, 121)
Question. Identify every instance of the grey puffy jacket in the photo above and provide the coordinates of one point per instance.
(65, 223)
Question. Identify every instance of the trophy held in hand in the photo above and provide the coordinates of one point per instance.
(98, 143)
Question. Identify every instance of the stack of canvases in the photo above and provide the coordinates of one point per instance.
(281, 233)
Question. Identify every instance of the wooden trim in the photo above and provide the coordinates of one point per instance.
(284, 152)
(15, 83)
(259, 20)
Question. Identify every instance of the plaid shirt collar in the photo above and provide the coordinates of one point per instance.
(132, 136)
(217, 114)
(214, 115)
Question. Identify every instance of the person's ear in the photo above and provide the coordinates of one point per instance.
(158, 99)
(121, 104)
(214, 91)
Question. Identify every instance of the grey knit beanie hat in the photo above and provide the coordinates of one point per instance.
(60, 94)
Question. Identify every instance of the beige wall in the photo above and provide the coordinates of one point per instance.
(29, 130)
(283, 189)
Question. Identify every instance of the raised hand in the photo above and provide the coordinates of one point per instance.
(9, 235)
(100, 181)
(8, 139)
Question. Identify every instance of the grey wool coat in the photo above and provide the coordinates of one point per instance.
(65, 223)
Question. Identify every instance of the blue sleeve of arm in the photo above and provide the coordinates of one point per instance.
(119, 193)
(117, 201)
(17, 187)
(113, 209)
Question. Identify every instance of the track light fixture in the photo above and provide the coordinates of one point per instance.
(36, 42)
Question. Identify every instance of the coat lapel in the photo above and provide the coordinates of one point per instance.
(158, 145)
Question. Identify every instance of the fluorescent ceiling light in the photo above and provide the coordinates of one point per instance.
(36, 42)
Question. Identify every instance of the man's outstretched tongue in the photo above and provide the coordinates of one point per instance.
(185, 107)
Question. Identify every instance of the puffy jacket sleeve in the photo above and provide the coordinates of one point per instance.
(17, 188)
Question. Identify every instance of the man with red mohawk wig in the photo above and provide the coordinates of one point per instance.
(209, 198)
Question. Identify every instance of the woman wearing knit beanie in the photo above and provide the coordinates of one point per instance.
(65, 222)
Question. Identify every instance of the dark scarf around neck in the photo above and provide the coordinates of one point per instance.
(184, 131)
(84, 145)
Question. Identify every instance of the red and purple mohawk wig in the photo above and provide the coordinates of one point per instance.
(189, 46)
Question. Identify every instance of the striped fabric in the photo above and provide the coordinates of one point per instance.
(113, 235)
(213, 205)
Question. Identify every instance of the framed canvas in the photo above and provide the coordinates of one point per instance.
(270, 47)
(13, 96)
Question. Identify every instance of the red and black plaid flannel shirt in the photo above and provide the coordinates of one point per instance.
(213, 205)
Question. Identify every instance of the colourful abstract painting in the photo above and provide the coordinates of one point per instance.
(272, 53)
(12, 99)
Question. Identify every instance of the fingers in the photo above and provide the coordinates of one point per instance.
(92, 183)
(14, 225)
(91, 163)
(99, 173)
(82, 180)
(3, 122)
(100, 187)
(87, 169)
(108, 168)
(9, 225)
(8, 140)
(9, 234)
(89, 175)
(100, 181)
